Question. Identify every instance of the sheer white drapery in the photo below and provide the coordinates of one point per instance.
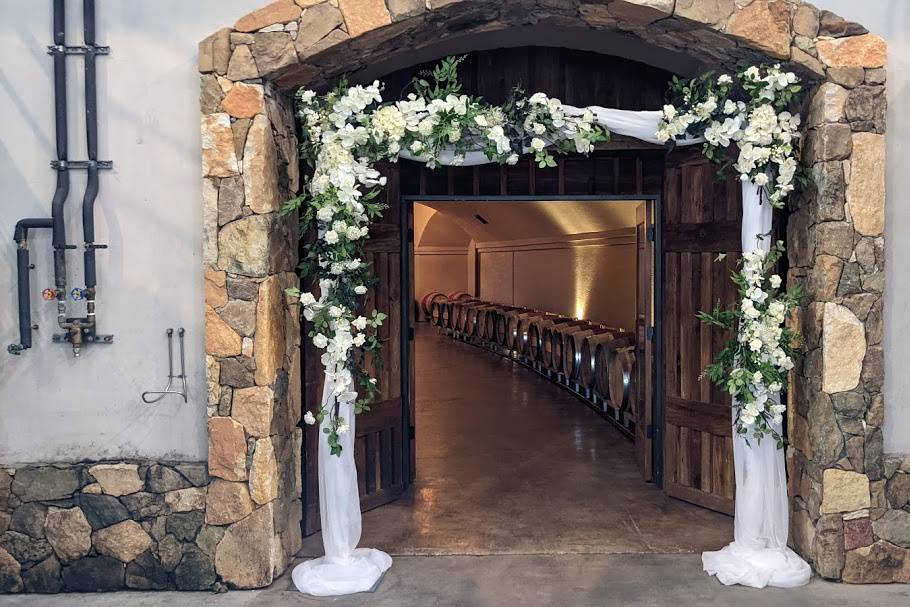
(345, 569)
(758, 556)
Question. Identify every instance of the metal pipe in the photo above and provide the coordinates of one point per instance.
(23, 267)
(91, 134)
(63, 180)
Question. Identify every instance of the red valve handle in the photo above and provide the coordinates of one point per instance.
(49, 294)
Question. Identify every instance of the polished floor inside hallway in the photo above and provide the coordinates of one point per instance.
(508, 463)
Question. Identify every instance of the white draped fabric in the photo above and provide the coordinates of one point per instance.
(345, 569)
(758, 556)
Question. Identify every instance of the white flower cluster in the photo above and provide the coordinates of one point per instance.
(761, 331)
(764, 136)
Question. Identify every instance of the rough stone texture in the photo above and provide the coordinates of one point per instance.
(829, 546)
(361, 16)
(765, 25)
(641, 12)
(215, 291)
(44, 483)
(123, 541)
(69, 533)
(269, 341)
(43, 578)
(273, 51)
(244, 557)
(227, 449)
(898, 490)
(161, 479)
(713, 12)
(280, 11)
(829, 142)
(260, 178)
(243, 100)
(242, 65)
(220, 338)
(827, 104)
(117, 479)
(893, 526)
(185, 500)
(227, 502)
(218, 158)
(880, 563)
(243, 246)
(844, 491)
(805, 21)
(29, 519)
(866, 190)
(230, 197)
(863, 51)
(195, 571)
(240, 315)
(264, 472)
(844, 345)
(317, 22)
(147, 573)
(94, 574)
(253, 407)
(101, 510)
(185, 526)
(857, 533)
(10, 573)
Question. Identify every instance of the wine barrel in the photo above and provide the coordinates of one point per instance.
(446, 316)
(587, 368)
(518, 328)
(621, 376)
(605, 353)
(426, 304)
(507, 330)
(546, 346)
(557, 341)
(469, 318)
(457, 295)
(525, 333)
(536, 333)
(572, 349)
(436, 308)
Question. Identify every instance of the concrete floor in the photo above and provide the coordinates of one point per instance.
(508, 463)
(650, 580)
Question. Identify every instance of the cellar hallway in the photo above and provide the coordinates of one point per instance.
(508, 463)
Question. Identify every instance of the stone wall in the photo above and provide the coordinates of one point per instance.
(107, 526)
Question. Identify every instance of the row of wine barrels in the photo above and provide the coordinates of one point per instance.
(573, 349)
(553, 342)
(426, 303)
(587, 372)
(459, 295)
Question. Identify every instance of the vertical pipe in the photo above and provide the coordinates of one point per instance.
(63, 181)
(91, 134)
(24, 285)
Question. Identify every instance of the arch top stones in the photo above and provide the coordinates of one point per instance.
(847, 497)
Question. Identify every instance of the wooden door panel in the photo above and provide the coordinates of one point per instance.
(701, 221)
(644, 298)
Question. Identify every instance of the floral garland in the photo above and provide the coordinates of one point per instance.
(345, 133)
(750, 110)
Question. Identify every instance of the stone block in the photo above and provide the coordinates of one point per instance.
(45, 483)
(894, 527)
(43, 578)
(866, 190)
(244, 246)
(844, 348)
(844, 491)
(10, 573)
(244, 100)
(280, 11)
(147, 573)
(218, 157)
(69, 533)
(273, 51)
(185, 526)
(269, 343)
(264, 472)
(865, 51)
(829, 142)
(829, 546)
(29, 519)
(641, 12)
(227, 502)
(101, 510)
(117, 479)
(196, 571)
(185, 500)
(880, 563)
(857, 533)
(764, 25)
(240, 315)
(712, 12)
(124, 541)
(227, 449)
(361, 16)
(317, 23)
(253, 407)
(244, 556)
(94, 574)
(220, 338)
(827, 105)
(260, 176)
(215, 291)
(242, 66)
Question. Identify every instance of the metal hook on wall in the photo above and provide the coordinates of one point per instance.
(159, 394)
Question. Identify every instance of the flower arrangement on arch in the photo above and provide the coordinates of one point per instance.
(749, 111)
(344, 134)
(753, 366)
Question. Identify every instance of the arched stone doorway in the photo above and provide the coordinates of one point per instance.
(835, 236)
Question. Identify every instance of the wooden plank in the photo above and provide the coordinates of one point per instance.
(703, 417)
(705, 331)
(695, 238)
(671, 324)
(683, 453)
(688, 340)
(694, 458)
(697, 496)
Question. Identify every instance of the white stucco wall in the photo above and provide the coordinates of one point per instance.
(55, 408)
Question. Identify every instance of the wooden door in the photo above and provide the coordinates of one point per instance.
(644, 330)
(381, 449)
(701, 219)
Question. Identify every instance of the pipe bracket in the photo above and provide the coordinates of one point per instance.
(70, 165)
(78, 50)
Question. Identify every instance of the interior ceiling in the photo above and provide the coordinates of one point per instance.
(454, 224)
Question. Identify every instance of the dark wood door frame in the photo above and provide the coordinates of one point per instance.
(657, 400)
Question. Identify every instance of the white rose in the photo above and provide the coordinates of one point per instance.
(360, 289)
(331, 237)
(513, 159)
(775, 281)
(342, 429)
(325, 214)
(360, 339)
(360, 323)
(335, 312)
(353, 233)
(416, 146)
(354, 264)
(481, 120)
(538, 144)
(307, 299)
(755, 344)
(309, 418)
(320, 341)
(339, 226)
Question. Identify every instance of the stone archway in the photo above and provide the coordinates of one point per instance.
(838, 475)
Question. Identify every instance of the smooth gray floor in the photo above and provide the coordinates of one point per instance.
(516, 581)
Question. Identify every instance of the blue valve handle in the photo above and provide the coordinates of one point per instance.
(77, 294)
